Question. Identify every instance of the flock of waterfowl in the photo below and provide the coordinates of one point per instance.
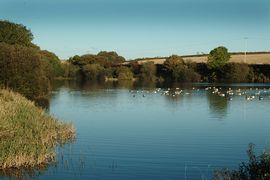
(248, 93)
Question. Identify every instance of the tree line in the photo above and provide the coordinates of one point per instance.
(175, 69)
(24, 67)
(27, 69)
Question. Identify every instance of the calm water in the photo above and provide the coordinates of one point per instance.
(138, 132)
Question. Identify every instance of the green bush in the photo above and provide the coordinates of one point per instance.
(92, 71)
(70, 70)
(255, 76)
(54, 64)
(103, 58)
(148, 71)
(22, 69)
(124, 73)
(218, 57)
(256, 168)
(12, 34)
(236, 72)
(181, 71)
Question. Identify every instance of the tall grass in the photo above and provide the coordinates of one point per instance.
(28, 135)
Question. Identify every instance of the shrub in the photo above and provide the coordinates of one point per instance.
(181, 71)
(92, 71)
(12, 34)
(54, 64)
(256, 168)
(70, 70)
(148, 71)
(22, 69)
(236, 72)
(218, 57)
(124, 73)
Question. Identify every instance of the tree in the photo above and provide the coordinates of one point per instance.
(97, 66)
(181, 71)
(12, 33)
(173, 61)
(258, 167)
(92, 71)
(124, 73)
(70, 70)
(22, 70)
(108, 59)
(148, 71)
(218, 57)
(236, 72)
(172, 65)
(135, 67)
(53, 64)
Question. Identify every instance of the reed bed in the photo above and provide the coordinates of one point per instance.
(28, 135)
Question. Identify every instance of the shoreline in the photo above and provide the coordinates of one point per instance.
(28, 135)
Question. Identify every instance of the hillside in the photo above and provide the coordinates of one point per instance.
(251, 58)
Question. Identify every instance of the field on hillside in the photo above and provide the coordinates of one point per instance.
(260, 58)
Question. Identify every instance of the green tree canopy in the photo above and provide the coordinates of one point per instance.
(173, 65)
(218, 57)
(92, 71)
(22, 69)
(181, 71)
(148, 71)
(111, 56)
(124, 73)
(173, 61)
(12, 33)
(103, 58)
(53, 64)
(236, 72)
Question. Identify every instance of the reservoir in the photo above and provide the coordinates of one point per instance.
(150, 131)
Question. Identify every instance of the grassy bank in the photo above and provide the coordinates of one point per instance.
(28, 135)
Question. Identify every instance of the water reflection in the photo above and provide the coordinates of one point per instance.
(23, 173)
(162, 132)
(175, 92)
(42, 102)
(158, 133)
(67, 160)
(218, 105)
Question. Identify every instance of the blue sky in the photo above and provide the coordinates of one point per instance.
(142, 28)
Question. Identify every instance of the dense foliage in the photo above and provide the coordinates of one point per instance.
(103, 58)
(92, 71)
(236, 72)
(218, 57)
(101, 66)
(175, 68)
(23, 66)
(29, 70)
(54, 66)
(124, 73)
(256, 168)
(12, 33)
(148, 71)
(181, 71)
(21, 69)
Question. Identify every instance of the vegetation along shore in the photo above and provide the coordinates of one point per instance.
(29, 70)
(28, 135)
